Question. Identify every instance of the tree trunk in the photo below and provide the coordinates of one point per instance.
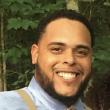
(72, 4)
(2, 55)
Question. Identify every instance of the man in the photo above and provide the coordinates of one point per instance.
(63, 56)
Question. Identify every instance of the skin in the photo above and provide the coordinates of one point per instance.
(65, 47)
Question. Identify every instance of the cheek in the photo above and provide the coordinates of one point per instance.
(86, 66)
(46, 62)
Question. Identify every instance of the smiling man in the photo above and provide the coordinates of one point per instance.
(63, 56)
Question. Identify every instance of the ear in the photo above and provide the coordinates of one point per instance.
(34, 53)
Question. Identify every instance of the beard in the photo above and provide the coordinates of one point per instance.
(48, 86)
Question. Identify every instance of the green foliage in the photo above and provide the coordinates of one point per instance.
(16, 23)
(101, 55)
(15, 53)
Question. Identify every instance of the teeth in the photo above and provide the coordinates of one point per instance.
(66, 75)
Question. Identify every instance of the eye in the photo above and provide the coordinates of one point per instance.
(56, 50)
(82, 53)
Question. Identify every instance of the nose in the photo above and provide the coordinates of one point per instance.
(69, 58)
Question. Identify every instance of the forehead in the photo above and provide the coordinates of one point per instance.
(66, 30)
(65, 23)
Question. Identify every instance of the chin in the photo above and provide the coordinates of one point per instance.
(67, 93)
(66, 97)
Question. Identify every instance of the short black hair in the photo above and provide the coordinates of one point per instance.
(69, 14)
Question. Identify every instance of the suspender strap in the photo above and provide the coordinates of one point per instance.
(24, 95)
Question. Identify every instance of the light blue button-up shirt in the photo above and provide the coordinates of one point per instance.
(10, 100)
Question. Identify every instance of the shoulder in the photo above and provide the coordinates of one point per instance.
(10, 100)
(8, 94)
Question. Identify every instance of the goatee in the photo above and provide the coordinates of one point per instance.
(47, 85)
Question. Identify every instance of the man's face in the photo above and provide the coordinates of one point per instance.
(64, 55)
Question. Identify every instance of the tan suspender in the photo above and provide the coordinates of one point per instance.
(27, 99)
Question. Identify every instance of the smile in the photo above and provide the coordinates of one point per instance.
(67, 75)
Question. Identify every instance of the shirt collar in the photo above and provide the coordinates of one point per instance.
(42, 97)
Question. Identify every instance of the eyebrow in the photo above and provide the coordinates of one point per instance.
(56, 43)
(79, 46)
(83, 47)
